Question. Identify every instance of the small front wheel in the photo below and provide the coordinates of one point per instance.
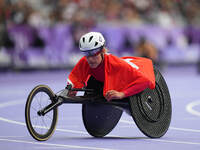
(40, 127)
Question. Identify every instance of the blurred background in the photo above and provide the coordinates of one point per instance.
(39, 45)
(44, 34)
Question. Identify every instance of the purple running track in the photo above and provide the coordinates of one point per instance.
(70, 134)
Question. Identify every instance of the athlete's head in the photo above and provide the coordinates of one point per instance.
(91, 43)
(92, 46)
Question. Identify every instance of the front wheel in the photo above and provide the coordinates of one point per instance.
(40, 127)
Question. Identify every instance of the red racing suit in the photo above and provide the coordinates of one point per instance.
(120, 73)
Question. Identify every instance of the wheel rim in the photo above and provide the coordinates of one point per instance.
(40, 127)
(40, 124)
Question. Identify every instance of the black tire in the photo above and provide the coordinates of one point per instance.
(151, 109)
(33, 123)
(100, 119)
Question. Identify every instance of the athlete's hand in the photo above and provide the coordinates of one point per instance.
(72, 93)
(112, 94)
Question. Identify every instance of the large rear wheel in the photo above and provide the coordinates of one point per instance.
(151, 109)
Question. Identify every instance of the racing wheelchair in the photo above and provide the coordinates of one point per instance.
(151, 109)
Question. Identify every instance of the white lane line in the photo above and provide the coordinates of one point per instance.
(47, 147)
(23, 124)
(184, 129)
(123, 121)
(11, 136)
(81, 132)
(11, 103)
(176, 142)
(172, 128)
(51, 144)
(126, 121)
(61, 130)
(189, 108)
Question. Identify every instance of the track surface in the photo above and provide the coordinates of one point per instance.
(184, 131)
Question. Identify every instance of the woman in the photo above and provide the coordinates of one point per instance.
(121, 77)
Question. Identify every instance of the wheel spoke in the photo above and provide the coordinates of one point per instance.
(34, 117)
(38, 100)
(44, 123)
(34, 109)
(40, 127)
(49, 117)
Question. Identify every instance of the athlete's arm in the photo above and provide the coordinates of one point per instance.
(113, 94)
(135, 89)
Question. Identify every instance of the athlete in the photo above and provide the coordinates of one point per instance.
(121, 76)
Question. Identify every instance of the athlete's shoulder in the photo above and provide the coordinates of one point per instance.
(111, 56)
(115, 61)
(134, 57)
(82, 64)
(82, 60)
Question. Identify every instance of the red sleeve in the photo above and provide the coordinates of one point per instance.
(135, 89)
(128, 72)
(79, 74)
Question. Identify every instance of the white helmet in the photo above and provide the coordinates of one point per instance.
(92, 41)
